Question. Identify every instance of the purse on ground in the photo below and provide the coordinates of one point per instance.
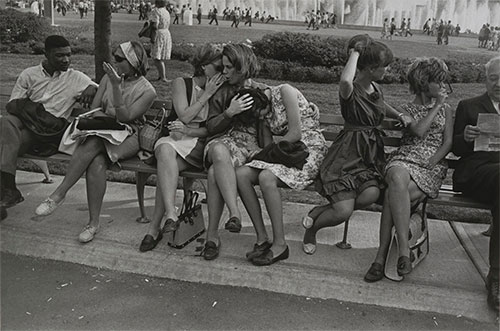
(191, 222)
(418, 238)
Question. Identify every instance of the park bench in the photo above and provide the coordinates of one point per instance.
(331, 125)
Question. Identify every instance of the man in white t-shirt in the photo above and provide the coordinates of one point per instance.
(55, 86)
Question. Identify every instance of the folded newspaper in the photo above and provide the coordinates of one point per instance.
(489, 139)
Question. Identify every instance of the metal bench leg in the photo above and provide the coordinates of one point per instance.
(344, 244)
(141, 178)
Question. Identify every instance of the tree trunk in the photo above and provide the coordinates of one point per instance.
(102, 34)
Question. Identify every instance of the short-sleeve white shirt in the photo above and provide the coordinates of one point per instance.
(57, 93)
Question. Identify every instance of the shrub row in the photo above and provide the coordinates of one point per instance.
(296, 57)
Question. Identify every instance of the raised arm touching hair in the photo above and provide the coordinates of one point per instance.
(347, 77)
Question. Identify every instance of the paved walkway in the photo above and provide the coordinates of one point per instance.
(449, 280)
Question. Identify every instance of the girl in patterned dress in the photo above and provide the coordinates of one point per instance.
(351, 176)
(417, 168)
(183, 147)
(289, 117)
(162, 43)
(230, 143)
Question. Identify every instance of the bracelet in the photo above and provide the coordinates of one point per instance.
(401, 115)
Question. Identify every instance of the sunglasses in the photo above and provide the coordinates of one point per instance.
(119, 59)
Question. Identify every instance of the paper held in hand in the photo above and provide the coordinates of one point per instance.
(489, 139)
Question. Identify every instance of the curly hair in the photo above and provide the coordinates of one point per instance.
(205, 55)
(243, 59)
(260, 101)
(425, 70)
(372, 53)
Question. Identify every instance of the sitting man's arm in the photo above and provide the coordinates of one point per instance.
(85, 99)
(464, 132)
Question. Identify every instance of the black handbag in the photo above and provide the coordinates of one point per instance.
(99, 123)
(146, 31)
(292, 155)
(191, 222)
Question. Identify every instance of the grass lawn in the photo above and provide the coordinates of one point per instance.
(125, 27)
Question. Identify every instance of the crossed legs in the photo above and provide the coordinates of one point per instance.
(222, 188)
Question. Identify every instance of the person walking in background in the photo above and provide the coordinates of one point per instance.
(408, 29)
(183, 14)
(198, 14)
(385, 29)
(427, 27)
(417, 168)
(248, 17)
(476, 174)
(177, 12)
(446, 32)
(124, 95)
(214, 16)
(183, 147)
(440, 32)
(351, 175)
(162, 42)
(392, 28)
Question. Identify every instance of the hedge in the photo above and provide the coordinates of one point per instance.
(296, 57)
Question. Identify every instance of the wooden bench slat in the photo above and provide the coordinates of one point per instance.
(447, 197)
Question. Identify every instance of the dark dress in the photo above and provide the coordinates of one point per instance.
(356, 159)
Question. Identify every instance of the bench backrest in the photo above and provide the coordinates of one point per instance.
(331, 124)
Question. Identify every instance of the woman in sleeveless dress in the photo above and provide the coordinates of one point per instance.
(162, 43)
(183, 147)
(124, 94)
(288, 117)
(351, 176)
(417, 168)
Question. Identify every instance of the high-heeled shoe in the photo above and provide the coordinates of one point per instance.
(268, 258)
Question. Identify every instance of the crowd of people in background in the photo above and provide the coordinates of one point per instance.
(323, 19)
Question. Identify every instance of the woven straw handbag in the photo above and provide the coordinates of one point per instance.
(151, 132)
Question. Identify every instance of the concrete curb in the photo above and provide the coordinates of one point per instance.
(284, 277)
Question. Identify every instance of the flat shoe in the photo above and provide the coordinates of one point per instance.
(10, 198)
(267, 258)
(149, 242)
(258, 250)
(88, 233)
(307, 222)
(47, 207)
(210, 251)
(404, 265)
(375, 273)
(47, 181)
(309, 248)
(233, 225)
